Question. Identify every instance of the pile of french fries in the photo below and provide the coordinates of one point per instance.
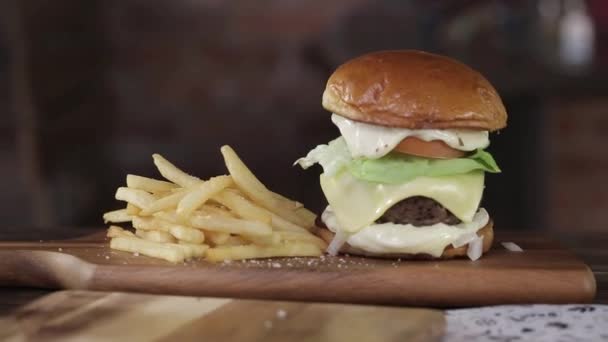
(228, 217)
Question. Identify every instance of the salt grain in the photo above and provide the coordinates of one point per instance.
(60, 249)
(281, 314)
(107, 257)
(136, 254)
(276, 265)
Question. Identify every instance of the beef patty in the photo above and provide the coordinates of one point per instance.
(418, 211)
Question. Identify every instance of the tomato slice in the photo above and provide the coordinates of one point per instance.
(429, 149)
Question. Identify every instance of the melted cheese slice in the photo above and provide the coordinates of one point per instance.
(358, 204)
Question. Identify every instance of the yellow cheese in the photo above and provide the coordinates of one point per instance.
(358, 203)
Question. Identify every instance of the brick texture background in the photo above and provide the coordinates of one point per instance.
(577, 148)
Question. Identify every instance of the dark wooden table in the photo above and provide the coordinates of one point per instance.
(591, 247)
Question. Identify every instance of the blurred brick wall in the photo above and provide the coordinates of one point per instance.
(53, 57)
(577, 153)
(14, 199)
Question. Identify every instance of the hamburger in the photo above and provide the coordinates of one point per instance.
(406, 176)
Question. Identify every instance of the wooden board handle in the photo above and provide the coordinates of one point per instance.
(44, 269)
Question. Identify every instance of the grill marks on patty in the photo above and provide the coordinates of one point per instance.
(418, 211)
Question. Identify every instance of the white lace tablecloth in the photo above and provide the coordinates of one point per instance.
(555, 323)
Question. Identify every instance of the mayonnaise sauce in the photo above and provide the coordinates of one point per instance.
(399, 238)
(374, 141)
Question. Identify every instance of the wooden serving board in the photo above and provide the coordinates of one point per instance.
(102, 316)
(543, 273)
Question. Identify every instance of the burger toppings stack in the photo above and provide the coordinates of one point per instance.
(406, 176)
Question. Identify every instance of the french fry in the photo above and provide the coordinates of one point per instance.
(254, 189)
(155, 235)
(217, 238)
(137, 197)
(116, 231)
(208, 209)
(117, 216)
(307, 216)
(169, 252)
(288, 202)
(132, 209)
(174, 174)
(235, 213)
(243, 207)
(149, 223)
(169, 216)
(194, 250)
(231, 225)
(252, 252)
(302, 237)
(222, 225)
(234, 240)
(283, 225)
(157, 225)
(248, 210)
(186, 234)
(149, 184)
(201, 193)
(164, 203)
(267, 240)
(299, 209)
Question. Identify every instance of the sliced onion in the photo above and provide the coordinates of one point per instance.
(475, 248)
(336, 243)
(464, 239)
(512, 246)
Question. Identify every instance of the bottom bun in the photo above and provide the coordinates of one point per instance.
(487, 232)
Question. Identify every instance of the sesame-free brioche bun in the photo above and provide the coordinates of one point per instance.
(415, 90)
(487, 232)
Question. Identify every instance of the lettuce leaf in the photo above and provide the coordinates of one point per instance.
(333, 157)
(396, 168)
